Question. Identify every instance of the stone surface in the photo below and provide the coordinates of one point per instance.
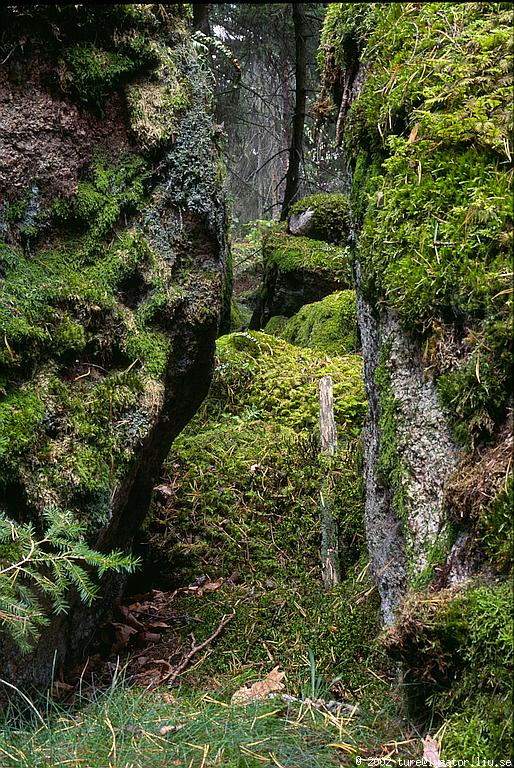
(301, 223)
(401, 541)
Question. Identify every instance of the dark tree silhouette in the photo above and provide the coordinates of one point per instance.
(295, 151)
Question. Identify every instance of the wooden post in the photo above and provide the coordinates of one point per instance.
(330, 569)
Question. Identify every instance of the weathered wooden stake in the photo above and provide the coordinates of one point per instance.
(329, 544)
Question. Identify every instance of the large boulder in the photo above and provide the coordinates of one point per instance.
(428, 144)
(321, 217)
(299, 270)
(113, 262)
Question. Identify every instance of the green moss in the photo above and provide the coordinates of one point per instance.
(248, 472)
(494, 529)
(431, 182)
(328, 326)
(457, 649)
(152, 348)
(84, 440)
(91, 73)
(255, 372)
(155, 106)
(21, 415)
(89, 300)
(290, 254)
(275, 325)
(69, 336)
(331, 216)
(81, 270)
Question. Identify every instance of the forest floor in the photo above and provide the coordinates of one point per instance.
(127, 707)
(216, 672)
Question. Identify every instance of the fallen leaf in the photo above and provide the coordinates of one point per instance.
(211, 586)
(123, 634)
(147, 637)
(431, 752)
(128, 618)
(259, 690)
(157, 625)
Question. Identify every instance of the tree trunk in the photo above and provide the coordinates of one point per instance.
(295, 151)
(201, 18)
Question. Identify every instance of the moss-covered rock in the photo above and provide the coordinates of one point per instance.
(431, 185)
(323, 217)
(427, 141)
(250, 468)
(422, 99)
(298, 270)
(114, 268)
(456, 647)
(328, 326)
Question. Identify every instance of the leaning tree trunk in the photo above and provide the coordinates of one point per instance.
(295, 151)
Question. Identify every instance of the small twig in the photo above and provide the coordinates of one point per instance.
(170, 678)
(8, 55)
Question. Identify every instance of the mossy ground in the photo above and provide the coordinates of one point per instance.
(243, 498)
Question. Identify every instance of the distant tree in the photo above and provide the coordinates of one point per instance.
(296, 148)
(256, 106)
(201, 18)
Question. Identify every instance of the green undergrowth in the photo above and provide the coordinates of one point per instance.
(240, 498)
(290, 253)
(429, 139)
(330, 219)
(250, 469)
(328, 326)
(457, 652)
(125, 726)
